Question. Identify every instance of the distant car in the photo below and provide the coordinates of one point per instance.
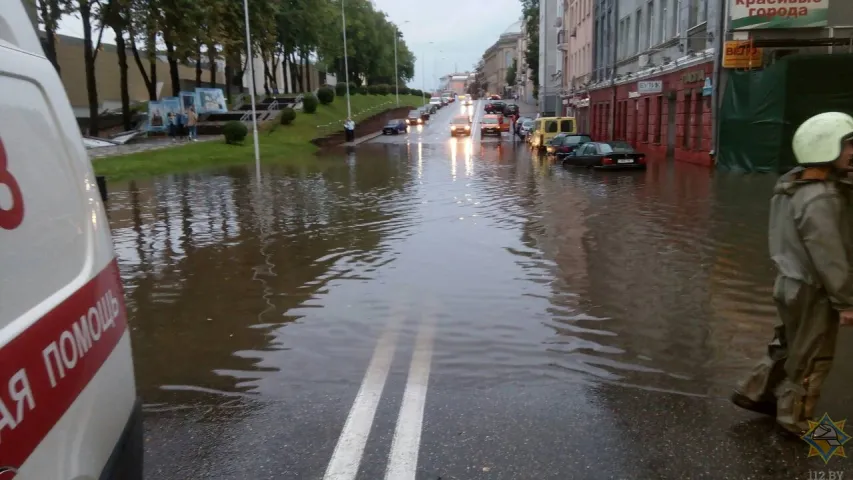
(495, 107)
(510, 109)
(467, 100)
(526, 127)
(395, 127)
(444, 102)
(460, 125)
(436, 101)
(433, 109)
(606, 155)
(564, 144)
(414, 118)
(493, 125)
(425, 113)
(495, 97)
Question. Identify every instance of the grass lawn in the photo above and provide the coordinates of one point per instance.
(287, 144)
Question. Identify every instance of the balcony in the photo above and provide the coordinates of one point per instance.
(563, 40)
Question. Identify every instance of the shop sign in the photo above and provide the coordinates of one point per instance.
(695, 76)
(633, 94)
(761, 14)
(706, 89)
(740, 54)
(649, 86)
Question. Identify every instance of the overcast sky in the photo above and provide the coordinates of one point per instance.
(460, 31)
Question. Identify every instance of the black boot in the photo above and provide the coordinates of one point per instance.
(763, 407)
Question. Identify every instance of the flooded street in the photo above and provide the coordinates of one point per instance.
(426, 307)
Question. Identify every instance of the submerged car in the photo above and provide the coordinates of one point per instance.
(395, 127)
(414, 118)
(564, 144)
(606, 155)
(495, 107)
(460, 125)
(510, 110)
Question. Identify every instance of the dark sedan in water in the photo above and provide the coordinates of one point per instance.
(395, 127)
(606, 155)
(415, 118)
(564, 144)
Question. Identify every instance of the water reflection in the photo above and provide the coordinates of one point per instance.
(657, 279)
(212, 264)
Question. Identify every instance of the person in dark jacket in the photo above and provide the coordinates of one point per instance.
(811, 245)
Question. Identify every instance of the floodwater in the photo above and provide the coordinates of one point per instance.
(555, 323)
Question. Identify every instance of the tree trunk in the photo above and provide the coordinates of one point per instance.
(121, 50)
(198, 70)
(89, 62)
(141, 67)
(296, 72)
(48, 14)
(228, 80)
(266, 74)
(307, 72)
(211, 57)
(174, 77)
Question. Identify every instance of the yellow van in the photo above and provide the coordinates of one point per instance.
(547, 128)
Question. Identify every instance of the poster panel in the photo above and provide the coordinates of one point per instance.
(210, 100)
(158, 113)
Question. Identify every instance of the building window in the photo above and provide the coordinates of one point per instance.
(637, 27)
(692, 13)
(658, 119)
(676, 17)
(664, 25)
(688, 103)
(650, 24)
(650, 15)
(631, 47)
(697, 131)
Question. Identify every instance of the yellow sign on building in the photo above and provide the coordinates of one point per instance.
(741, 54)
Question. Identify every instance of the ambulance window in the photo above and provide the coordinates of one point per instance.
(551, 126)
(567, 126)
(44, 175)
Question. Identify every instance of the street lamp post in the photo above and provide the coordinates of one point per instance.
(346, 63)
(252, 90)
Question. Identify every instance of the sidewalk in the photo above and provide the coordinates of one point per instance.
(142, 146)
(362, 139)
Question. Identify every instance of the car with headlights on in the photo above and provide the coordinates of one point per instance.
(395, 127)
(414, 118)
(460, 125)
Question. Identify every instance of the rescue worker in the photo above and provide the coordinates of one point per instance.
(811, 245)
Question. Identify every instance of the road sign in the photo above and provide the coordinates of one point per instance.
(740, 54)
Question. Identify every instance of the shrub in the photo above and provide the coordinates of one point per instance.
(353, 88)
(341, 89)
(326, 95)
(373, 89)
(362, 91)
(309, 103)
(235, 132)
(404, 90)
(382, 89)
(287, 116)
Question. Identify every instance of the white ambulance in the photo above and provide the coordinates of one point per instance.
(68, 402)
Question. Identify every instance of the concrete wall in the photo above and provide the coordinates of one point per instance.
(579, 27)
(497, 60)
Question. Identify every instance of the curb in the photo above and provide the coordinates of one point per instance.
(362, 139)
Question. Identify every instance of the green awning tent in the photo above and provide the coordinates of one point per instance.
(761, 109)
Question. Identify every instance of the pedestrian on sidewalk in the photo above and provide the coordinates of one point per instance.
(349, 128)
(172, 125)
(811, 244)
(192, 123)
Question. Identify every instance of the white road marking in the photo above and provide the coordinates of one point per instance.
(350, 448)
(403, 459)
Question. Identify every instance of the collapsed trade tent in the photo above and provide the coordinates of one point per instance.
(761, 109)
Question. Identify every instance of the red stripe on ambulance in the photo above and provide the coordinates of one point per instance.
(43, 370)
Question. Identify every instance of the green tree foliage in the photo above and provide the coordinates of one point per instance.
(326, 94)
(287, 35)
(511, 73)
(478, 85)
(309, 103)
(530, 11)
(235, 132)
(287, 116)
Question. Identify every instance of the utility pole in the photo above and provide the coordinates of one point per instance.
(615, 48)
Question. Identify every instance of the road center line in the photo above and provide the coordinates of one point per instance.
(350, 448)
(403, 459)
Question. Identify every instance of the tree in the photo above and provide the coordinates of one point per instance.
(477, 86)
(114, 15)
(86, 10)
(530, 12)
(511, 73)
(49, 14)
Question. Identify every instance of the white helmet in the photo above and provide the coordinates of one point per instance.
(818, 140)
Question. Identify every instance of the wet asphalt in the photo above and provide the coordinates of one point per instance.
(534, 322)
